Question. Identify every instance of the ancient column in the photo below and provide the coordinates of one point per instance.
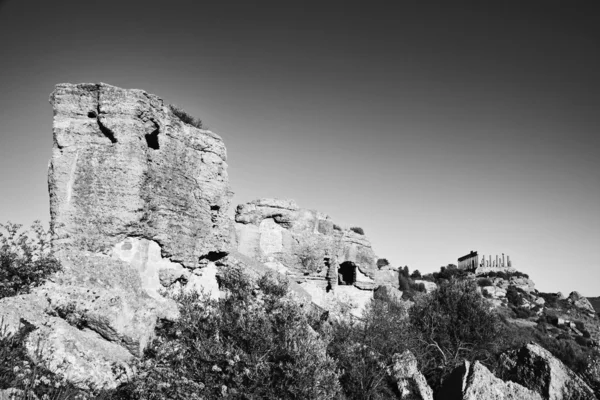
(508, 261)
(503, 264)
(496, 263)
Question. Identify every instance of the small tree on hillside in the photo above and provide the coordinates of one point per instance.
(451, 324)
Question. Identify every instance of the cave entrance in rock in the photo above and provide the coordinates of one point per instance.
(347, 273)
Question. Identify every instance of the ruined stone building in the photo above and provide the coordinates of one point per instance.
(469, 262)
(474, 262)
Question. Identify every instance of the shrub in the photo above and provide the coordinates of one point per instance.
(254, 343)
(185, 117)
(484, 282)
(311, 253)
(364, 349)
(26, 259)
(416, 274)
(18, 371)
(357, 229)
(451, 324)
(514, 297)
(382, 262)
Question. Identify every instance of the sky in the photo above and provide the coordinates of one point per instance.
(438, 129)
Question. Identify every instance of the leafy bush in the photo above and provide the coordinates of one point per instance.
(311, 253)
(448, 273)
(416, 274)
(484, 282)
(364, 349)
(18, 371)
(551, 299)
(382, 262)
(185, 117)
(26, 260)
(504, 275)
(514, 297)
(255, 343)
(451, 324)
(357, 229)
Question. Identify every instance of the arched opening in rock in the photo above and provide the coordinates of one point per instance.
(347, 273)
(152, 140)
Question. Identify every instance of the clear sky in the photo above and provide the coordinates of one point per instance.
(439, 130)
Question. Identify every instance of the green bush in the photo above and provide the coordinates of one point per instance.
(416, 274)
(484, 282)
(452, 324)
(18, 371)
(185, 117)
(255, 343)
(357, 229)
(364, 349)
(26, 260)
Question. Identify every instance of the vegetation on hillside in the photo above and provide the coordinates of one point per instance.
(258, 342)
(185, 117)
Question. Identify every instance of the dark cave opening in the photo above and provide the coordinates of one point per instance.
(347, 273)
(152, 139)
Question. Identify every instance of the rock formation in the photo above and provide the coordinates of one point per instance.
(537, 369)
(138, 201)
(411, 383)
(332, 264)
(473, 381)
(581, 302)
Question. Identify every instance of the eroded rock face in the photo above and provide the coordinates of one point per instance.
(473, 381)
(138, 202)
(412, 385)
(279, 232)
(537, 369)
(581, 302)
(123, 165)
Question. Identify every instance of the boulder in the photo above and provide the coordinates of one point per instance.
(411, 383)
(537, 369)
(138, 201)
(473, 381)
(581, 302)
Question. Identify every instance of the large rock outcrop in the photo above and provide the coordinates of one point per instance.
(138, 203)
(334, 265)
(536, 368)
(473, 381)
(412, 385)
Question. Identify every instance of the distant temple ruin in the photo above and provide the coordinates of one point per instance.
(472, 261)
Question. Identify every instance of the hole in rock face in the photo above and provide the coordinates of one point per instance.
(92, 114)
(107, 132)
(347, 273)
(152, 140)
(214, 255)
(215, 208)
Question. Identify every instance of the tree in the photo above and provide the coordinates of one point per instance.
(451, 324)
(416, 274)
(364, 348)
(382, 262)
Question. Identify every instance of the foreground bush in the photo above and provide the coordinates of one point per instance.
(364, 349)
(452, 324)
(256, 343)
(25, 258)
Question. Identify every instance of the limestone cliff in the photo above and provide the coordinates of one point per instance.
(138, 203)
(327, 261)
